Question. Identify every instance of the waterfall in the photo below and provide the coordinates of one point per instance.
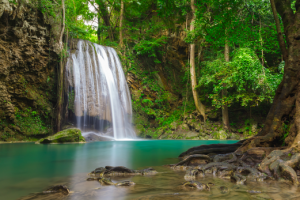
(98, 94)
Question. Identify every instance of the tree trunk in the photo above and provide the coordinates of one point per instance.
(225, 117)
(279, 33)
(262, 50)
(98, 29)
(61, 74)
(199, 106)
(106, 17)
(121, 23)
(285, 111)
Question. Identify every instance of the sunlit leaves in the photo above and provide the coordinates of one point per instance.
(245, 79)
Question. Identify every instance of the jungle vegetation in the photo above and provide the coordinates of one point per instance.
(238, 53)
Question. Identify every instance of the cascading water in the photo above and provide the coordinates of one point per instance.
(98, 93)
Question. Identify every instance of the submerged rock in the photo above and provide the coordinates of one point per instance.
(58, 189)
(197, 185)
(119, 171)
(68, 135)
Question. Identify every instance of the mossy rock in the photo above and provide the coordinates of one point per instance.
(68, 135)
(173, 126)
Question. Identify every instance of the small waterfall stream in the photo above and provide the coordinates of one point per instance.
(98, 94)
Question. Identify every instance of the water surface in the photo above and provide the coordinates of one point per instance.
(29, 168)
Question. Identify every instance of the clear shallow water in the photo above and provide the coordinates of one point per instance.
(27, 167)
(30, 168)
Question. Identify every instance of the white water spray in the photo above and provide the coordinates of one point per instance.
(98, 92)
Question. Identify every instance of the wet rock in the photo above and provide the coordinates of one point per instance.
(192, 173)
(125, 183)
(91, 137)
(58, 189)
(196, 185)
(120, 171)
(223, 189)
(106, 181)
(68, 135)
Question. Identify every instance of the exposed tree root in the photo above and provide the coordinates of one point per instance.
(194, 160)
(282, 164)
(213, 148)
(256, 164)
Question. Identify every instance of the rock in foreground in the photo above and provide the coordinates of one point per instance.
(68, 135)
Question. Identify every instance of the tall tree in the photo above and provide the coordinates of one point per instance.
(121, 23)
(285, 111)
(225, 117)
(61, 74)
(102, 10)
(199, 106)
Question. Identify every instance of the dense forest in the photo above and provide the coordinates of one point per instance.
(74, 71)
(221, 59)
(192, 66)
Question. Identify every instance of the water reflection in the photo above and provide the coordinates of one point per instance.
(119, 154)
(29, 168)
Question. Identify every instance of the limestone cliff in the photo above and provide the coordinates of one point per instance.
(27, 72)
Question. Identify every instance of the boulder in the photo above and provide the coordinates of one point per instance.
(222, 135)
(198, 127)
(184, 127)
(254, 127)
(191, 134)
(173, 126)
(68, 135)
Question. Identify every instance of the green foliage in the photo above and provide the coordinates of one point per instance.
(286, 130)
(71, 101)
(150, 47)
(245, 79)
(30, 123)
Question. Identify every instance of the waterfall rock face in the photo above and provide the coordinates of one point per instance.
(98, 94)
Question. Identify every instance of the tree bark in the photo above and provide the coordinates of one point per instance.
(199, 106)
(285, 110)
(225, 117)
(121, 23)
(98, 29)
(279, 33)
(102, 8)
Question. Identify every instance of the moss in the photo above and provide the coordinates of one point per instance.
(68, 135)
(71, 101)
(139, 130)
(29, 122)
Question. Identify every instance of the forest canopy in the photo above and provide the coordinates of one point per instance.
(228, 50)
